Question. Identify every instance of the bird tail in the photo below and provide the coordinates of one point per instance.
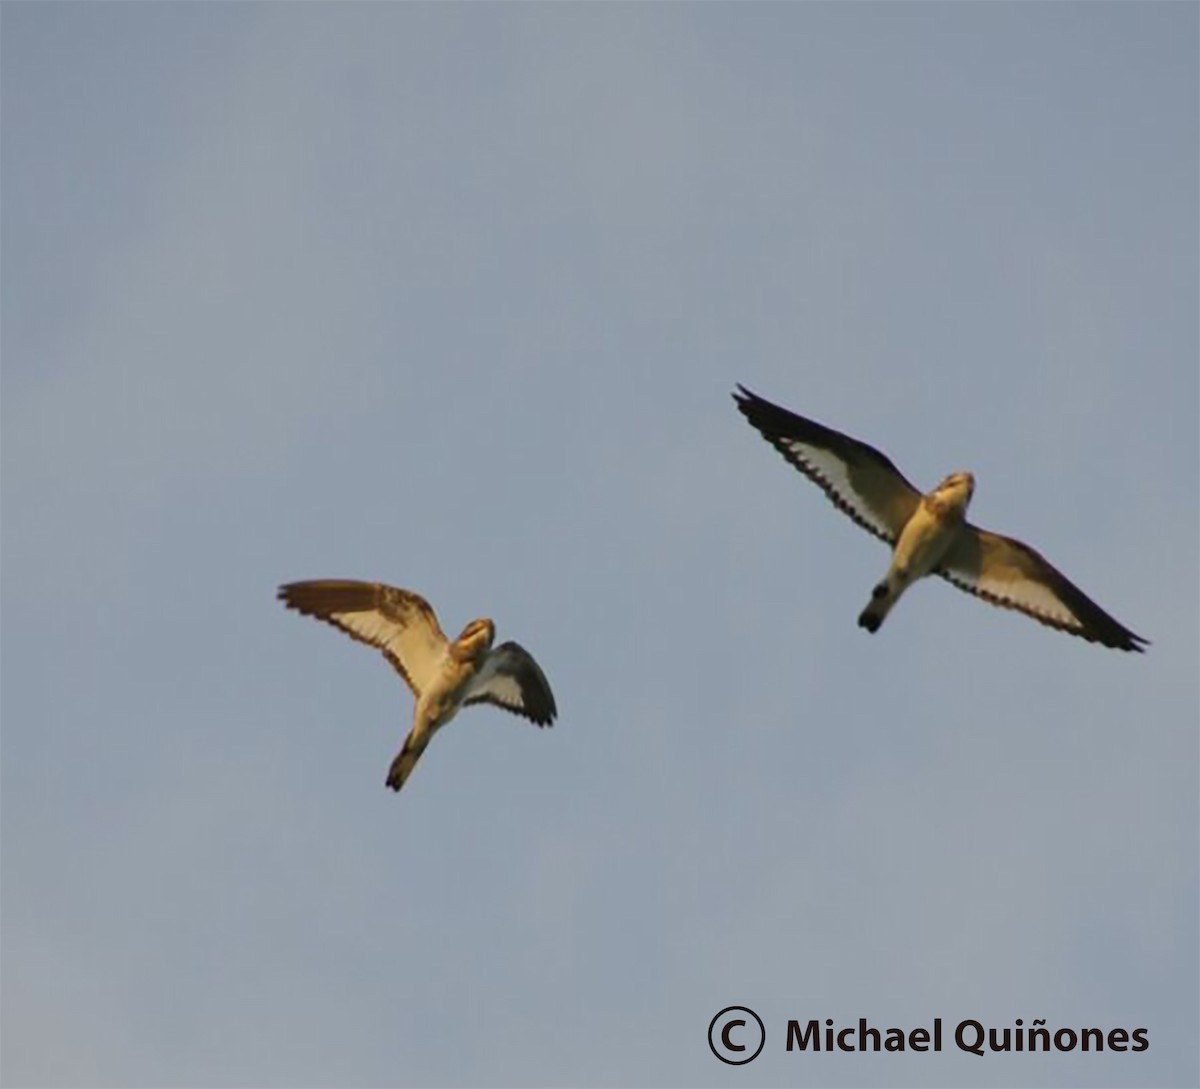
(883, 597)
(407, 759)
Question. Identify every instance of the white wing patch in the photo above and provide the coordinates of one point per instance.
(371, 626)
(498, 688)
(869, 498)
(412, 647)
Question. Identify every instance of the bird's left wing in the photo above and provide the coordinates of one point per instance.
(511, 679)
(1012, 575)
(860, 480)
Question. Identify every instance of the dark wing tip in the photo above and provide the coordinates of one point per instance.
(291, 594)
(1115, 636)
(308, 596)
(1122, 640)
(540, 707)
(747, 401)
(1130, 640)
(772, 421)
(335, 594)
(776, 423)
(548, 714)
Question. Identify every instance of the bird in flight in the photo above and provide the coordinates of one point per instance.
(444, 676)
(929, 534)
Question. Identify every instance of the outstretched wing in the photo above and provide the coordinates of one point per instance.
(400, 623)
(1012, 575)
(860, 481)
(511, 679)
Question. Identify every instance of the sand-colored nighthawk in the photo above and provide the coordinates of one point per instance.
(929, 534)
(444, 676)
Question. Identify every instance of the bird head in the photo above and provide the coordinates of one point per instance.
(476, 638)
(956, 490)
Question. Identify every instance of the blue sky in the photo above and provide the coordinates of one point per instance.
(453, 297)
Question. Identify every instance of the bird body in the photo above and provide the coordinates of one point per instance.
(923, 542)
(929, 534)
(444, 675)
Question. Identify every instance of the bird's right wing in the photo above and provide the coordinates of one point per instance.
(400, 623)
(861, 481)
